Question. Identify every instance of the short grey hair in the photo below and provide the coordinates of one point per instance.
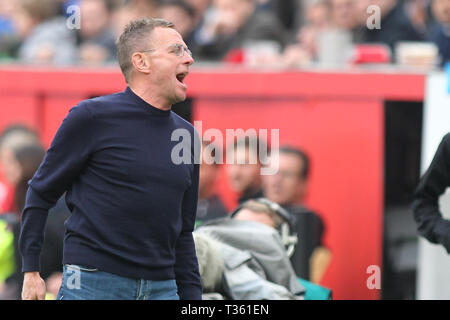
(132, 38)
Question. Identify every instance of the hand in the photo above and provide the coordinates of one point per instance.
(33, 286)
(227, 23)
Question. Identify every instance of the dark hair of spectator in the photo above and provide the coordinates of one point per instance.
(15, 128)
(186, 7)
(29, 158)
(41, 10)
(302, 155)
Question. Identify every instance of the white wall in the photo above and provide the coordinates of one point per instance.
(433, 265)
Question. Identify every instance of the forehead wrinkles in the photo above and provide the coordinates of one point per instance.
(163, 37)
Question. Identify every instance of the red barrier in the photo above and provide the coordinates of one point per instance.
(337, 117)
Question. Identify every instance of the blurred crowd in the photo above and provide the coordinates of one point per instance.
(21, 153)
(272, 204)
(286, 33)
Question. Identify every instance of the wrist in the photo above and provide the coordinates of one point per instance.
(31, 274)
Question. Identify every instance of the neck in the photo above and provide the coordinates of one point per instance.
(250, 191)
(146, 93)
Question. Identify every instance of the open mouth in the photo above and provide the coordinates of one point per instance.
(181, 76)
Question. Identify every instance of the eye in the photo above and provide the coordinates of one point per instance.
(177, 49)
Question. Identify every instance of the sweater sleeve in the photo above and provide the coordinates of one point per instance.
(64, 160)
(186, 266)
(433, 184)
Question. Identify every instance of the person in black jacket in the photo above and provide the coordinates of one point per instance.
(440, 31)
(288, 188)
(431, 225)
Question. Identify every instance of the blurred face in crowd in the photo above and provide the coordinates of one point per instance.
(318, 15)
(183, 22)
(233, 13)
(23, 22)
(244, 177)
(94, 17)
(7, 7)
(317, 19)
(344, 13)
(208, 174)
(10, 165)
(441, 10)
(162, 69)
(287, 186)
(199, 6)
(29, 13)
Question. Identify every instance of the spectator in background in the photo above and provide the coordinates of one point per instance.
(303, 50)
(9, 41)
(440, 34)
(395, 23)
(246, 257)
(28, 158)
(288, 188)
(233, 24)
(46, 38)
(287, 11)
(126, 11)
(244, 172)
(419, 13)
(318, 16)
(13, 138)
(95, 38)
(7, 8)
(200, 7)
(209, 204)
(182, 14)
(343, 14)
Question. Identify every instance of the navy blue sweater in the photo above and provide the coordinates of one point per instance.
(133, 209)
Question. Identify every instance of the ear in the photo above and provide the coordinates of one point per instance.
(141, 62)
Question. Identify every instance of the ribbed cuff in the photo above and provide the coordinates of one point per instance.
(190, 292)
(30, 263)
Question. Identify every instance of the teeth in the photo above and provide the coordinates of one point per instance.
(181, 76)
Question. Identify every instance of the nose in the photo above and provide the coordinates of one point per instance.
(188, 59)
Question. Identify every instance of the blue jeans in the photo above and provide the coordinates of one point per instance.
(83, 283)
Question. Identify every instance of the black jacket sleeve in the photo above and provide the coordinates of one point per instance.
(434, 182)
